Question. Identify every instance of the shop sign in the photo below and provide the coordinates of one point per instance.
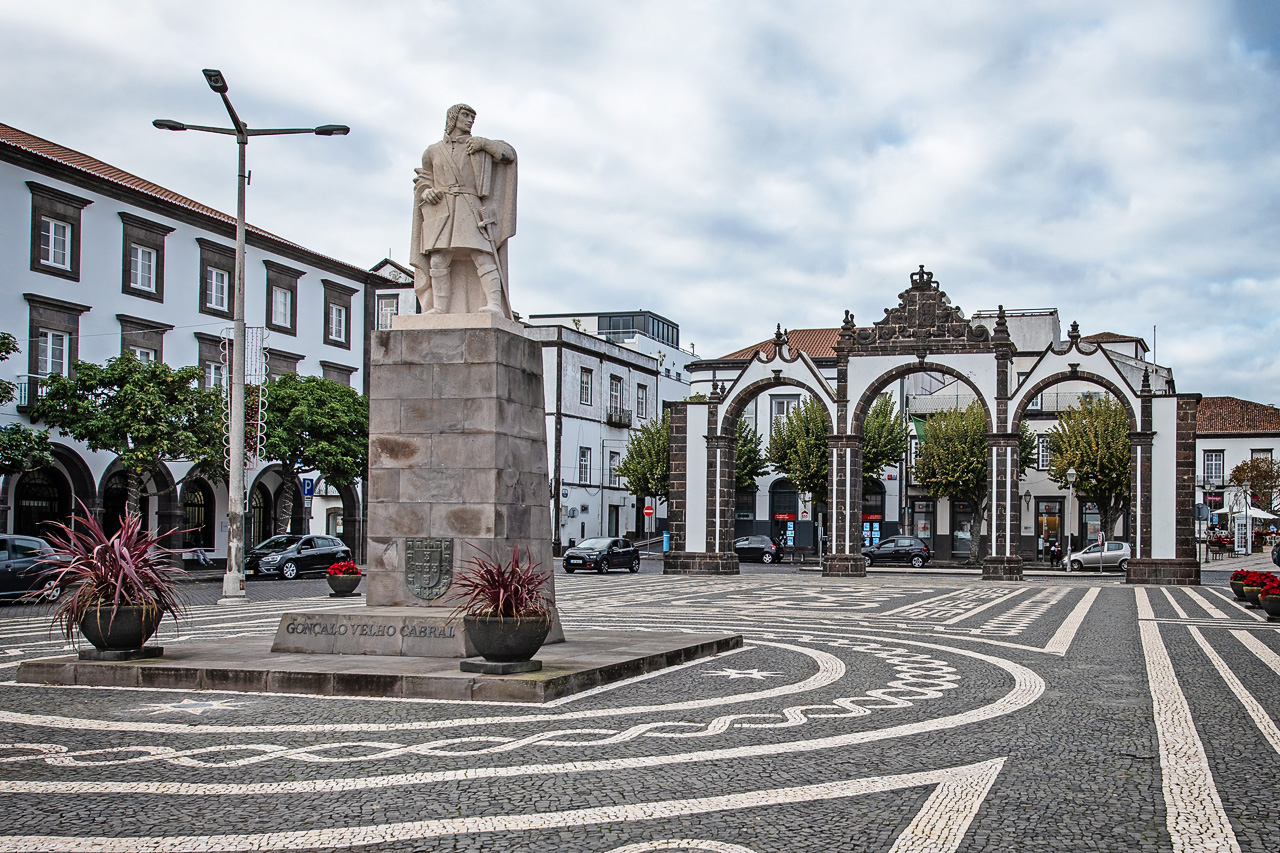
(784, 516)
(873, 516)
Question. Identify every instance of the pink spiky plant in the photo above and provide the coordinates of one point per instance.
(493, 589)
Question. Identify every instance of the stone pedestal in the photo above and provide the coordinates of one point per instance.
(844, 566)
(457, 456)
(1002, 568)
(699, 563)
(1178, 572)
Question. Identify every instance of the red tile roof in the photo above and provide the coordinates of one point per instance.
(1114, 338)
(91, 166)
(816, 343)
(1230, 414)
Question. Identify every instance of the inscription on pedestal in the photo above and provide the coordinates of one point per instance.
(428, 566)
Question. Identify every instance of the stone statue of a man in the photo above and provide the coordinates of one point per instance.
(464, 211)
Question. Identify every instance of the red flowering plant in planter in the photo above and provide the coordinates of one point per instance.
(494, 590)
(344, 567)
(1271, 586)
(101, 574)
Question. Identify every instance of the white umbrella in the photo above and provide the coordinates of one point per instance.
(1255, 513)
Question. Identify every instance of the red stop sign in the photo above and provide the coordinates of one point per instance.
(648, 512)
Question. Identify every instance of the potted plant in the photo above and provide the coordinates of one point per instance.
(343, 577)
(1253, 584)
(504, 612)
(115, 589)
(1269, 598)
(1237, 583)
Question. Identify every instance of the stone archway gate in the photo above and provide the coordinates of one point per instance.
(926, 333)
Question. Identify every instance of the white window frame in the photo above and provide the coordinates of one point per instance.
(1042, 452)
(642, 401)
(281, 306)
(585, 391)
(215, 373)
(52, 233)
(584, 465)
(1214, 459)
(142, 268)
(617, 392)
(337, 322)
(388, 307)
(1260, 453)
(48, 344)
(780, 407)
(146, 355)
(218, 285)
(615, 459)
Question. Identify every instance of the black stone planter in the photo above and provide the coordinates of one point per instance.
(1237, 587)
(1251, 593)
(343, 585)
(506, 640)
(1271, 604)
(126, 633)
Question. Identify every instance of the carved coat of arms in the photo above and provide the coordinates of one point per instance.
(428, 566)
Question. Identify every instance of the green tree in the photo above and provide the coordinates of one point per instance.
(884, 438)
(749, 458)
(647, 462)
(21, 449)
(314, 424)
(798, 447)
(952, 461)
(1093, 438)
(1262, 474)
(145, 413)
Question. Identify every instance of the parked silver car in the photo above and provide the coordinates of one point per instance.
(1109, 556)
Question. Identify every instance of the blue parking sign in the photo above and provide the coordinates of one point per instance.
(308, 487)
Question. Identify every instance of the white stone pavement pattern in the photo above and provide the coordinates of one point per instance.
(883, 714)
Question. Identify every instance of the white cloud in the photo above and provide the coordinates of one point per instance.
(737, 164)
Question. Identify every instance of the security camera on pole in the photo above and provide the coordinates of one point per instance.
(233, 581)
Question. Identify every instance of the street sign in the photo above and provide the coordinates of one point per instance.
(308, 487)
(648, 512)
(804, 514)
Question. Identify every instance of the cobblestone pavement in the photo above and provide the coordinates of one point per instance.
(895, 713)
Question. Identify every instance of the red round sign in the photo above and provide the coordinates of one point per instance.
(648, 512)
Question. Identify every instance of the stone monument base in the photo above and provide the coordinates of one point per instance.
(420, 632)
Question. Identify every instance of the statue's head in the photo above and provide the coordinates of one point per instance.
(451, 117)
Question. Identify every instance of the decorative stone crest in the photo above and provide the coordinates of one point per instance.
(924, 317)
(428, 566)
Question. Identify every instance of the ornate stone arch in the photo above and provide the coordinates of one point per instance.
(874, 388)
(1073, 376)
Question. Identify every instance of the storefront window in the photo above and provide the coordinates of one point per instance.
(1048, 528)
(1092, 521)
(962, 529)
(922, 520)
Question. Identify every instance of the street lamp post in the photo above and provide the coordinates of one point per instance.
(233, 580)
(1248, 533)
(1071, 501)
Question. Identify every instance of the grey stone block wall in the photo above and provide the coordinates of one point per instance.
(457, 450)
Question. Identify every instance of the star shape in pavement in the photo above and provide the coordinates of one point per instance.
(189, 706)
(734, 674)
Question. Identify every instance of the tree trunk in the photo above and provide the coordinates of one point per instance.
(132, 490)
(975, 539)
(284, 509)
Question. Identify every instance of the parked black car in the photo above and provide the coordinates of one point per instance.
(756, 548)
(898, 549)
(22, 564)
(287, 556)
(602, 555)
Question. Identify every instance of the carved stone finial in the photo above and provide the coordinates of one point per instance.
(846, 328)
(1146, 379)
(1074, 332)
(1002, 326)
(778, 337)
(1075, 367)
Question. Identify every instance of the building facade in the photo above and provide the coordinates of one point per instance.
(97, 262)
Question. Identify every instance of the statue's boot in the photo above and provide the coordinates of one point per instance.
(495, 299)
(441, 292)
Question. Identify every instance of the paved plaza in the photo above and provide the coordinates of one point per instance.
(894, 713)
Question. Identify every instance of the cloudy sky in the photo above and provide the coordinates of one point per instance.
(732, 165)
